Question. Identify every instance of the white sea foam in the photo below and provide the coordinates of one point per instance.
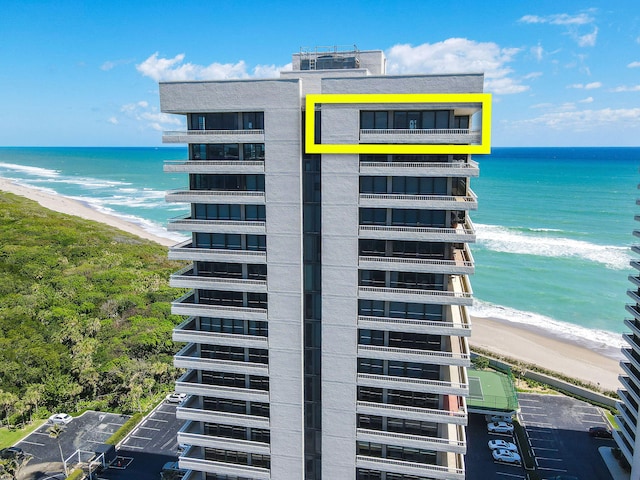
(37, 171)
(603, 341)
(511, 240)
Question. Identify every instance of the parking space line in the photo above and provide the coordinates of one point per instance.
(160, 420)
(151, 428)
(547, 449)
(510, 475)
(552, 469)
(549, 458)
(141, 438)
(32, 443)
(135, 447)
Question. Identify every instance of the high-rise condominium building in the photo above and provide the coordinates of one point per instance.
(629, 394)
(327, 326)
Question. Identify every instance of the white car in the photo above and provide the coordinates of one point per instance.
(502, 445)
(500, 427)
(176, 397)
(60, 418)
(506, 456)
(498, 418)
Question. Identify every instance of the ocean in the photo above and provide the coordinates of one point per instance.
(554, 225)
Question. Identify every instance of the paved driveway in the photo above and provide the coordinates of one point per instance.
(82, 433)
(557, 429)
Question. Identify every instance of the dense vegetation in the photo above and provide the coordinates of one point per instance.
(85, 316)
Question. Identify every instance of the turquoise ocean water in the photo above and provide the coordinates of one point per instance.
(554, 224)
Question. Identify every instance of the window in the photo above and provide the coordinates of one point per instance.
(373, 216)
(461, 121)
(373, 184)
(373, 120)
(371, 308)
(253, 120)
(253, 151)
(372, 278)
(371, 366)
(370, 337)
(201, 181)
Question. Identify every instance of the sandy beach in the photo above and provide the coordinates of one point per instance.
(500, 336)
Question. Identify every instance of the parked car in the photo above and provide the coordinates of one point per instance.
(500, 427)
(11, 452)
(499, 418)
(600, 432)
(176, 397)
(502, 444)
(171, 471)
(507, 456)
(60, 418)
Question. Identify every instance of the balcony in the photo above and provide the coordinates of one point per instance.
(457, 417)
(626, 368)
(195, 461)
(186, 278)
(458, 293)
(631, 389)
(453, 472)
(462, 263)
(458, 354)
(463, 233)
(431, 136)
(634, 325)
(459, 326)
(629, 403)
(633, 310)
(427, 202)
(622, 443)
(213, 136)
(216, 196)
(457, 386)
(635, 279)
(421, 169)
(189, 384)
(186, 305)
(186, 332)
(186, 251)
(629, 339)
(448, 444)
(214, 166)
(185, 223)
(191, 410)
(189, 357)
(191, 434)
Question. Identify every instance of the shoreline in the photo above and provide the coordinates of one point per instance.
(523, 342)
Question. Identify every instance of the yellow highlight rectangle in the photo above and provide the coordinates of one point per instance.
(365, 98)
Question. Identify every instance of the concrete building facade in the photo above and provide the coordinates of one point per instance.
(629, 394)
(327, 326)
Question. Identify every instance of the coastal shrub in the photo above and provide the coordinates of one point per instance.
(85, 319)
(124, 430)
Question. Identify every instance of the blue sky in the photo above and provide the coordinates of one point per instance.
(85, 73)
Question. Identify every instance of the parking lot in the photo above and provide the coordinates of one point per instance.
(557, 428)
(82, 433)
(480, 465)
(149, 446)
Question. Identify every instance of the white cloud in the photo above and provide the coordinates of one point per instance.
(458, 55)
(624, 88)
(589, 39)
(113, 120)
(531, 75)
(110, 64)
(572, 24)
(537, 52)
(634, 65)
(174, 69)
(586, 119)
(586, 100)
(587, 86)
(149, 116)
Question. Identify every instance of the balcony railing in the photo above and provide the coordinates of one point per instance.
(428, 136)
(186, 251)
(189, 358)
(215, 196)
(187, 223)
(432, 169)
(460, 326)
(218, 136)
(417, 441)
(413, 384)
(458, 417)
(186, 305)
(463, 233)
(462, 263)
(187, 332)
(186, 278)
(410, 468)
(194, 461)
(189, 384)
(196, 133)
(442, 297)
(214, 166)
(434, 357)
(438, 202)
